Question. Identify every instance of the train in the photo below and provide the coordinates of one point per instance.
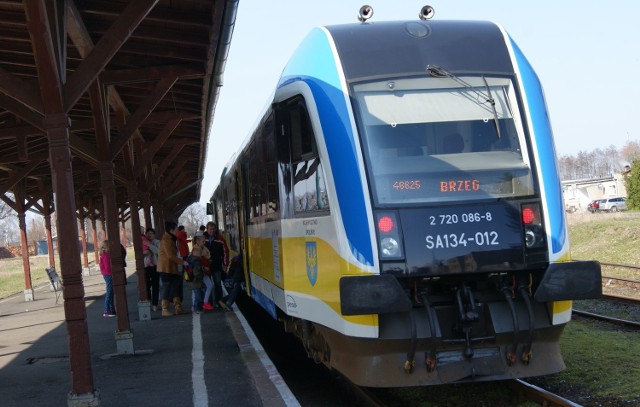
(398, 207)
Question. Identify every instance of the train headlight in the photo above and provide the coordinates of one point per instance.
(529, 238)
(534, 236)
(389, 247)
(389, 236)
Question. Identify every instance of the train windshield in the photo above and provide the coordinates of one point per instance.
(441, 140)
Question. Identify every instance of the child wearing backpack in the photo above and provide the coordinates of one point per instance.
(196, 261)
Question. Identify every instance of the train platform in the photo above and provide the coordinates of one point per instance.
(209, 359)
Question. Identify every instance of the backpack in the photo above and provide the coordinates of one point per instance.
(187, 273)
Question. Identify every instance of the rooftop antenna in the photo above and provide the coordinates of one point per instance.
(365, 13)
(426, 13)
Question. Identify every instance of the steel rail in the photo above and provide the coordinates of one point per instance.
(621, 298)
(612, 320)
(626, 280)
(629, 266)
(540, 395)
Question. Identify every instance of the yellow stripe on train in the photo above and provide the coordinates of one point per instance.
(308, 269)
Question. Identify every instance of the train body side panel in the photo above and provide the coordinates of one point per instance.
(299, 272)
(545, 155)
(315, 62)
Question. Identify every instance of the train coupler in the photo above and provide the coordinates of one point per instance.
(526, 357)
(409, 365)
(430, 363)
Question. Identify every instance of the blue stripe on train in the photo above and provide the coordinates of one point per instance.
(265, 302)
(546, 150)
(313, 63)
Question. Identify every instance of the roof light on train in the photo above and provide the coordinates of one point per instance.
(426, 13)
(365, 13)
(385, 224)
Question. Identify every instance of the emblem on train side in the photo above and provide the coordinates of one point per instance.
(312, 262)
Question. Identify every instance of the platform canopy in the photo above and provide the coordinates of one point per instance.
(135, 81)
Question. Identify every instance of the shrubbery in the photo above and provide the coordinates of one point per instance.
(632, 183)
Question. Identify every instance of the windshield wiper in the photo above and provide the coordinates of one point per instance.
(439, 72)
(492, 101)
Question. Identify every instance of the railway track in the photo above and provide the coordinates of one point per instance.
(524, 392)
(617, 290)
(612, 320)
(540, 395)
(621, 288)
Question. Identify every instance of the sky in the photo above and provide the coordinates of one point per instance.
(586, 54)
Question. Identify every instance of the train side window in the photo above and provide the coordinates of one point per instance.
(270, 162)
(263, 171)
(253, 171)
(309, 187)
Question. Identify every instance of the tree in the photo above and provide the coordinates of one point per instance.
(598, 163)
(8, 224)
(5, 210)
(630, 151)
(632, 182)
(9, 235)
(36, 230)
(192, 217)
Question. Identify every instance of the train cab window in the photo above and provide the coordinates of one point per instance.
(435, 139)
(309, 187)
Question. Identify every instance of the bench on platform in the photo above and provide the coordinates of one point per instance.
(56, 282)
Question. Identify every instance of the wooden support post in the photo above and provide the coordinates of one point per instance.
(94, 233)
(47, 227)
(104, 233)
(124, 346)
(146, 206)
(47, 40)
(158, 219)
(123, 232)
(74, 306)
(144, 306)
(83, 239)
(94, 238)
(28, 289)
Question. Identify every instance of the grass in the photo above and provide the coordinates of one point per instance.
(606, 237)
(601, 362)
(12, 274)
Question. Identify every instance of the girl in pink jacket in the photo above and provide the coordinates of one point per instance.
(105, 270)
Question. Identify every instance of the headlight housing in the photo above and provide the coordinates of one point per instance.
(389, 236)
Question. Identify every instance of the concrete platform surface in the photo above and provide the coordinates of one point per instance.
(209, 359)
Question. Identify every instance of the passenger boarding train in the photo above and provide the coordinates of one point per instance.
(398, 206)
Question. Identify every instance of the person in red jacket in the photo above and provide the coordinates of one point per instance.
(183, 242)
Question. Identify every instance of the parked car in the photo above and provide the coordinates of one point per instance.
(613, 204)
(594, 205)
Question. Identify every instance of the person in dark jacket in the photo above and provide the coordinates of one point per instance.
(236, 277)
(195, 260)
(219, 261)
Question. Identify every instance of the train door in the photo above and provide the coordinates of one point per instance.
(241, 213)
